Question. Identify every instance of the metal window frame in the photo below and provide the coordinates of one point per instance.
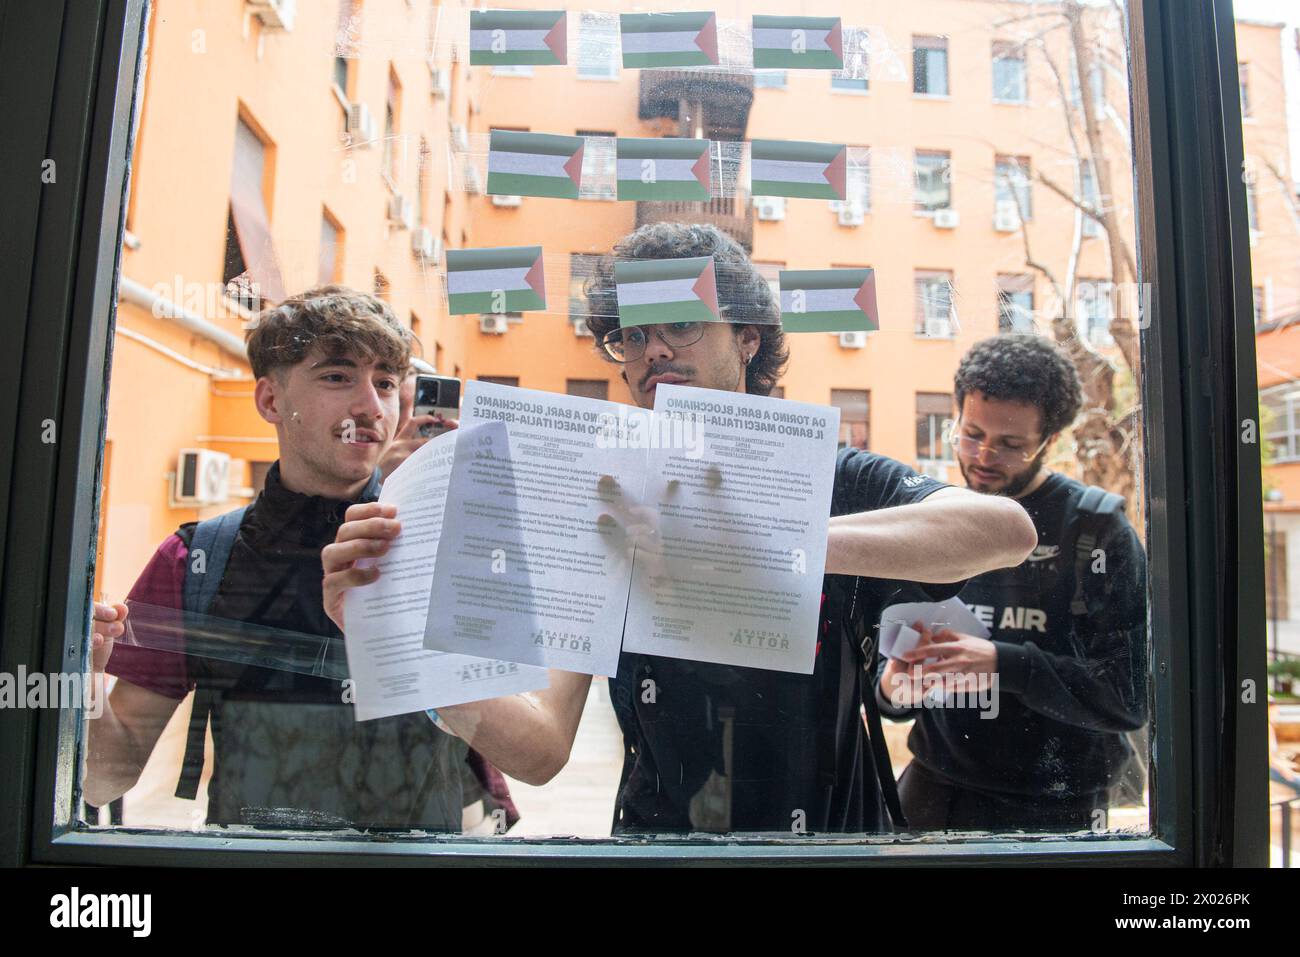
(75, 63)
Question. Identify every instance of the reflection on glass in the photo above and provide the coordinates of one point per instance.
(1035, 251)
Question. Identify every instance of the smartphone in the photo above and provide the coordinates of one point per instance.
(436, 395)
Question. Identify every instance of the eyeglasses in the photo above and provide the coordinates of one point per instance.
(628, 345)
(974, 449)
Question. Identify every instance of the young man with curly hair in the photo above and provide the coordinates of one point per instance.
(1068, 645)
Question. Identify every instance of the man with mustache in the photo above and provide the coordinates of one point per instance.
(329, 365)
(1068, 650)
(720, 748)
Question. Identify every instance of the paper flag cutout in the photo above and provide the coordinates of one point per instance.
(668, 39)
(828, 300)
(666, 290)
(505, 37)
(800, 170)
(663, 169)
(534, 164)
(798, 43)
(497, 280)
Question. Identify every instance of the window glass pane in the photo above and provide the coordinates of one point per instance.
(975, 304)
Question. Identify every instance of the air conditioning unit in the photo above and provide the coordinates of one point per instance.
(361, 125)
(946, 219)
(581, 329)
(401, 211)
(493, 325)
(473, 181)
(851, 214)
(938, 328)
(1006, 218)
(853, 340)
(507, 202)
(277, 14)
(423, 244)
(202, 477)
(440, 83)
(770, 209)
(459, 138)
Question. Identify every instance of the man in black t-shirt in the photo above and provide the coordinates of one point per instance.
(1066, 662)
(718, 748)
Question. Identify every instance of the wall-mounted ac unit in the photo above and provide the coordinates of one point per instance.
(581, 329)
(851, 214)
(769, 209)
(856, 339)
(493, 325)
(938, 328)
(424, 244)
(277, 14)
(473, 181)
(440, 83)
(202, 477)
(507, 201)
(1006, 218)
(946, 219)
(361, 125)
(459, 138)
(401, 211)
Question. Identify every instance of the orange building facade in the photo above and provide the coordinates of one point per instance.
(254, 157)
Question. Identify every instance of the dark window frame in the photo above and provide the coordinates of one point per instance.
(77, 69)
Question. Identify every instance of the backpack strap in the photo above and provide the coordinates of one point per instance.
(213, 538)
(855, 632)
(1094, 511)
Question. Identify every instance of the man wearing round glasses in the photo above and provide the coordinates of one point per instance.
(1067, 658)
(711, 747)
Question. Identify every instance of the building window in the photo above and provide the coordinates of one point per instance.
(857, 68)
(1281, 407)
(347, 43)
(933, 419)
(381, 286)
(393, 151)
(1260, 316)
(1096, 83)
(1011, 185)
(1243, 88)
(855, 417)
(1010, 84)
(857, 185)
(588, 388)
(769, 79)
(1016, 304)
(249, 255)
(511, 69)
(1090, 196)
(1252, 204)
(930, 65)
(599, 165)
(1095, 311)
(499, 379)
(598, 47)
(331, 250)
(933, 180)
(581, 267)
(771, 271)
(934, 309)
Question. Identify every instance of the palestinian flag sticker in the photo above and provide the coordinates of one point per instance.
(668, 39)
(828, 300)
(518, 37)
(663, 169)
(534, 164)
(497, 280)
(666, 290)
(798, 43)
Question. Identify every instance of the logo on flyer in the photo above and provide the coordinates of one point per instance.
(761, 639)
(562, 640)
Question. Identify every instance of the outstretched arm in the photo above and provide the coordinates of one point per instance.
(527, 736)
(953, 534)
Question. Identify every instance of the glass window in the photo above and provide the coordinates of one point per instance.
(1016, 304)
(598, 47)
(1090, 198)
(1281, 408)
(1012, 186)
(746, 752)
(935, 316)
(933, 420)
(855, 417)
(930, 65)
(1009, 78)
(933, 180)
